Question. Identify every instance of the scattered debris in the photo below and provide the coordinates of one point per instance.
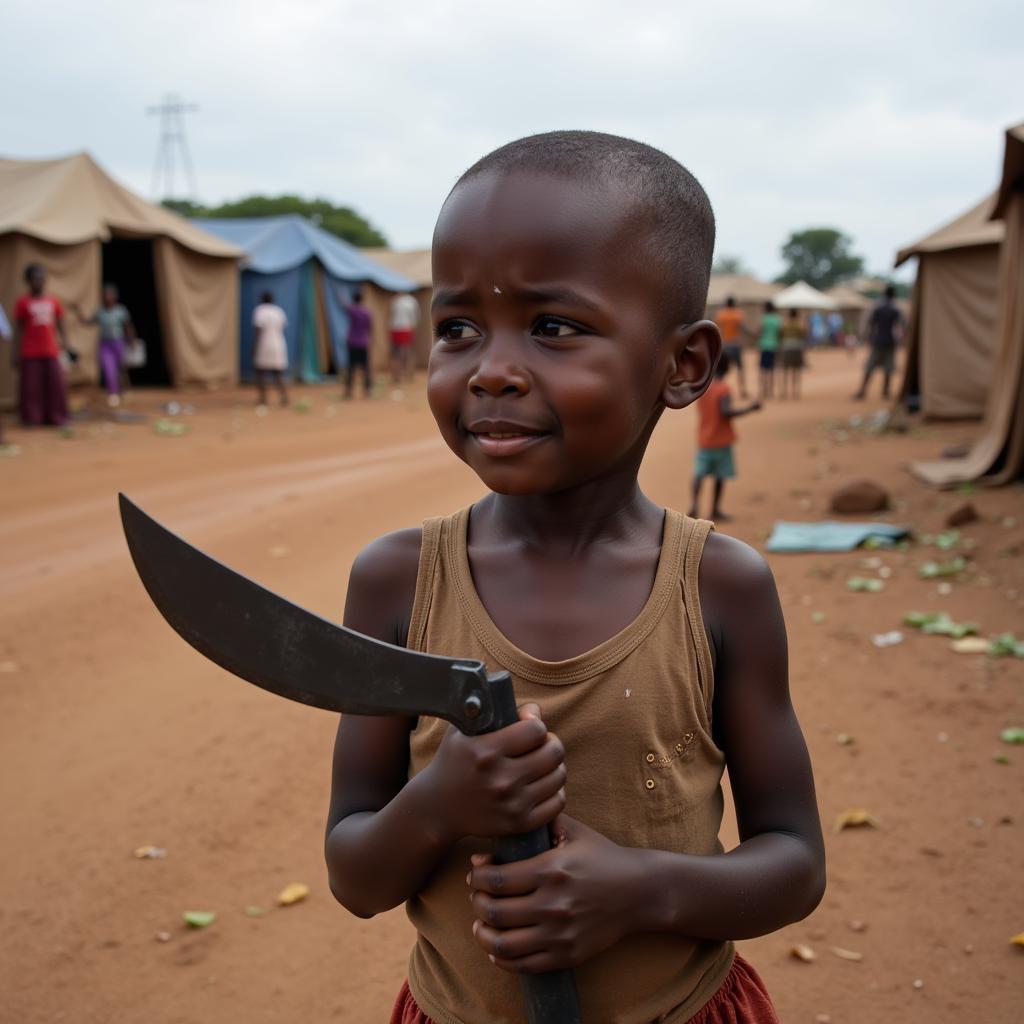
(1000, 759)
(802, 952)
(169, 428)
(303, 405)
(933, 570)
(10, 451)
(162, 936)
(294, 893)
(971, 645)
(255, 911)
(199, 918)
(856, 926)
(1012, 735)
(149, 853)
(280, 551)
(818, 618)
(918, 984)
(947, 540)
(890, 639)
(830, 535)
(847, 954)
(1009, 522)
(859, 497)
(939, 624)
(962, 515)
(1017, 940)
(822, 1018)
(1007, 645)
(856, 817)
(865, 584)
(844, 739)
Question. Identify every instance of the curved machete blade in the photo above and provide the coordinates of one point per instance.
(266, 640)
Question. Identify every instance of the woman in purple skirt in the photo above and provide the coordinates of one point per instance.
(38, 322)
(116, 331)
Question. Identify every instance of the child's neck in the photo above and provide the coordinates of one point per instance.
(564, 522)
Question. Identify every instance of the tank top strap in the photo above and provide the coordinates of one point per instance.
(430, 547)
(696, 533)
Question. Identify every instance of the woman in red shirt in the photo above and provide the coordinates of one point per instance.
(39, 320)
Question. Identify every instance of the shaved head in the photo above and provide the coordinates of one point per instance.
(674, 219)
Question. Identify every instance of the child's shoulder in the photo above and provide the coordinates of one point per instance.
(734, 580)
(382, 585)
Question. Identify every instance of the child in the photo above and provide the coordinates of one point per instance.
(768, 344)
(269, 348)
(715, 438)
(39, 321)
(116, 330)
(732, 327)
(570, 277)
(793, 343)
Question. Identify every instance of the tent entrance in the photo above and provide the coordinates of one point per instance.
(128, 263)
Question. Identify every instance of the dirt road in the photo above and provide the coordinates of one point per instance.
(115, 735)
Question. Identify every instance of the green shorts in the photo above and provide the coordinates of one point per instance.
(716, 462)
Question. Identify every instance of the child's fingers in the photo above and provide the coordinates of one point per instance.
(519, 738)
(515, 879)
(505, 913)
(512, 950)
(530, 710)
(536, 764)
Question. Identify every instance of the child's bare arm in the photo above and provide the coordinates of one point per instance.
(386, 833)
(565, 906)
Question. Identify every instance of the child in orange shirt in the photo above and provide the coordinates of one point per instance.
(715, 438)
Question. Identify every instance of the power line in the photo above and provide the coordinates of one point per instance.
(173, 146)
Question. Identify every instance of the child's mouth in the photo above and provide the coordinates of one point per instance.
(504, 442)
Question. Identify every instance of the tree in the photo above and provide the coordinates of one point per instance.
(821, 257)
(725, 264)
(342, 221)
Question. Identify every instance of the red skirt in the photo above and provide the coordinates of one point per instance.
(740, 999)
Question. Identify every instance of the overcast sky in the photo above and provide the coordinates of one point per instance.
(877, 118)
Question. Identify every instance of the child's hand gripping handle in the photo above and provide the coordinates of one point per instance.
(550, 998)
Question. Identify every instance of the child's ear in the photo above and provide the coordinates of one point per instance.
(694, 356)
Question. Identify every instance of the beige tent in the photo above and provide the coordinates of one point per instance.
(802, 296)
(851, 305)
(952, 331)
(180, 283)
(998, 453)
(415, 264)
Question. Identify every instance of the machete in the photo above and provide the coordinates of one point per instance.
(266, 640)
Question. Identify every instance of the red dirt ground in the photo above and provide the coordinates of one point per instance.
(116, 735)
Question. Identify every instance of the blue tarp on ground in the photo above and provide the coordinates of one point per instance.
(303, 266)
(831, 536)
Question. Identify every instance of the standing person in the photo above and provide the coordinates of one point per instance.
(5, 337)
(360, 328)
(269, 347)
(647, 652)
(405, 315)
(836, 334)
(715, 439)
(816, 331)
(792, 345)
(768, 345)
(39, 322)
(116, 330)
(885, 328)
(731, 324)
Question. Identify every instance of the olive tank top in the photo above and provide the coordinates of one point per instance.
(634, 715)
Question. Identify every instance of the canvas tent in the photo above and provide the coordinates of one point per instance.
(179, 282)
(414, 264)
(952, 324)
(997, 456)
(802, 296)
(311, 274)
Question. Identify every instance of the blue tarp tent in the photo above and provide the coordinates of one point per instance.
(309, 271)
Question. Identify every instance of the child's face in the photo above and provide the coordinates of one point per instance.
(551, 354)
(37, 281)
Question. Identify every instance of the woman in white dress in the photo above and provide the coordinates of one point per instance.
(269, 350)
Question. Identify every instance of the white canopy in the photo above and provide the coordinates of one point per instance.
(802, 296)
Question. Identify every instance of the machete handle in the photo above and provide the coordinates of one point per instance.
(550, 998)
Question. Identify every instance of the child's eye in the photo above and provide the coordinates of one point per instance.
(456, 330)
(552, 327)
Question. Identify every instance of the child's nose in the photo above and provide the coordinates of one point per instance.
(499, 371)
